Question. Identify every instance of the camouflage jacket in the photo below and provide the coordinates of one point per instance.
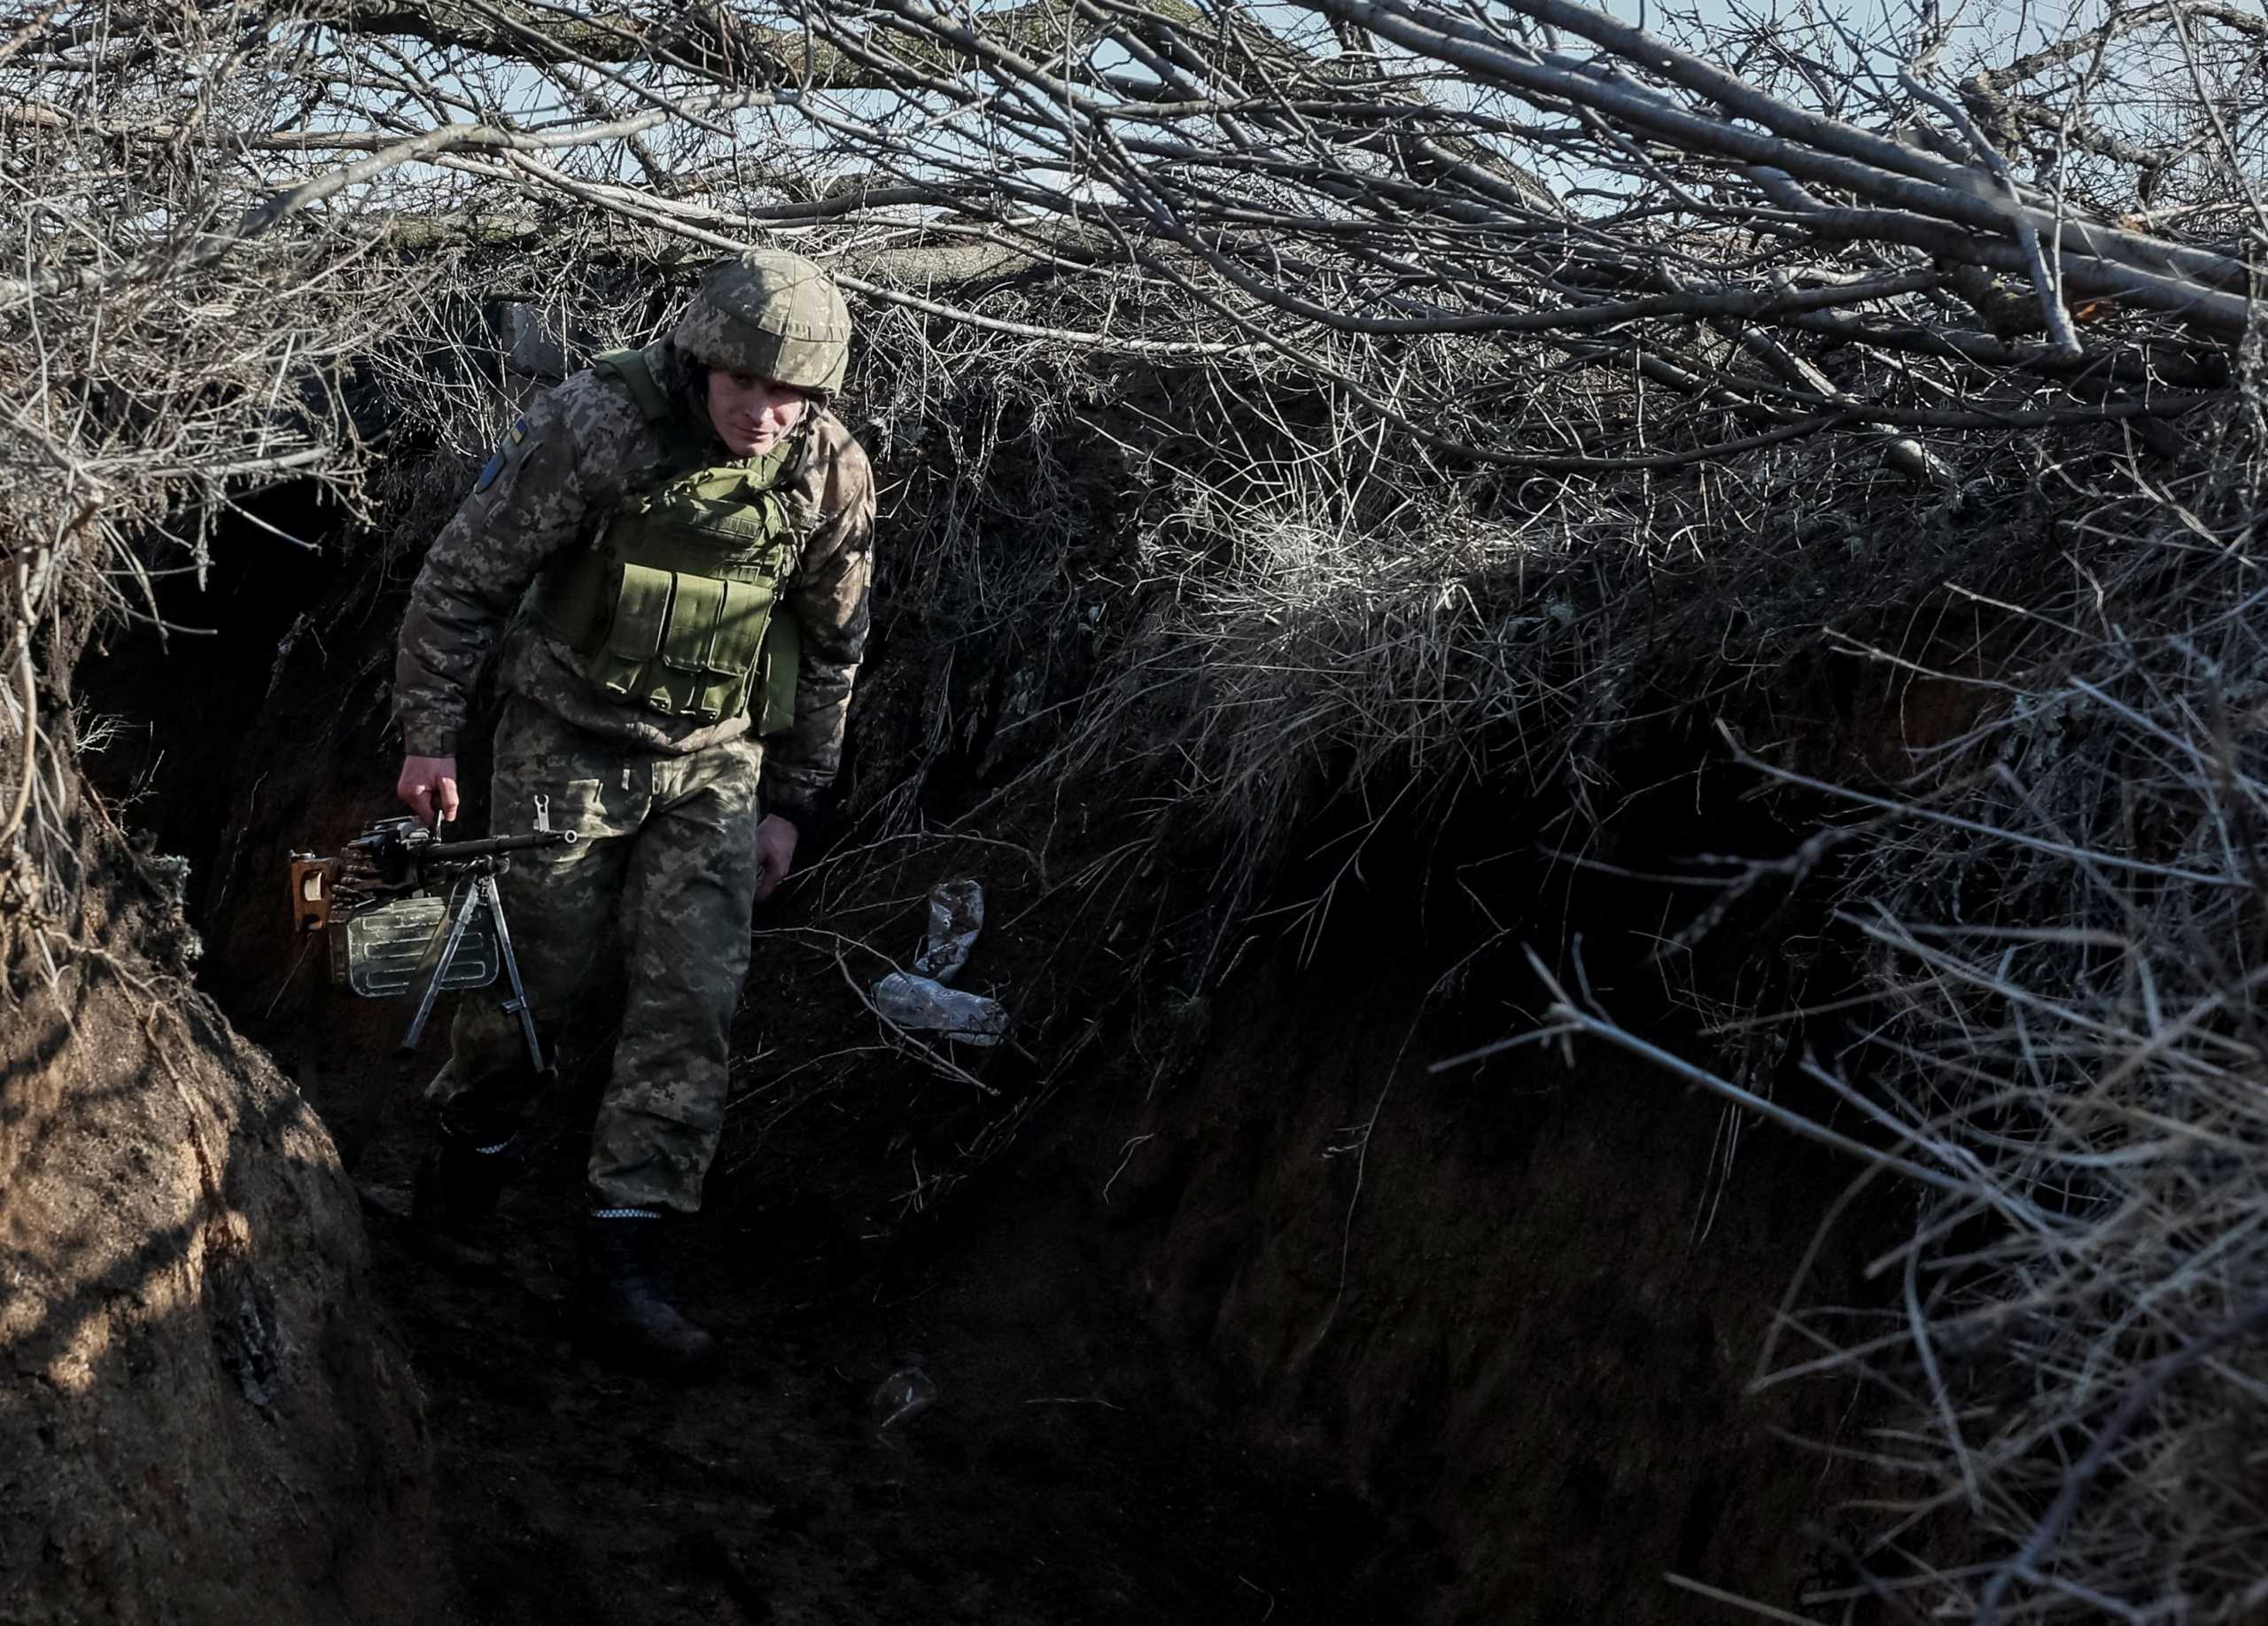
(567, 467)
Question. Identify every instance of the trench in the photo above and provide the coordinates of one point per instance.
(1245, 1315)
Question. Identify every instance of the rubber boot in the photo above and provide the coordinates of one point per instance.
(623, 1295)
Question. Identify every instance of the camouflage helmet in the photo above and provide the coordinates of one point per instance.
(772, 315)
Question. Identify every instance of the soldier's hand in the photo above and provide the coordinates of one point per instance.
(427, 783)
(775, 851)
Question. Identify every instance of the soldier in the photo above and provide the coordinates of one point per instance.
(653, 542)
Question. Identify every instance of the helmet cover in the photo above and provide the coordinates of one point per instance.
(770, 315)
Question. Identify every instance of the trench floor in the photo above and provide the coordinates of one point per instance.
(1064, 1473)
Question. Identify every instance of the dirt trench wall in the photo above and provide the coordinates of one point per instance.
(1520, 1319)
(203, 1418)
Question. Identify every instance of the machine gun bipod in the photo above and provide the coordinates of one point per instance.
(404, 910)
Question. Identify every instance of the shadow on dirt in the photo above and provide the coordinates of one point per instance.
(207, 1417)
(1056, 1478)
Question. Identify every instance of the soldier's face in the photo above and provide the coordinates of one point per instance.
(752, 415)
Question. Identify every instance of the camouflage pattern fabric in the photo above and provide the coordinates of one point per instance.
(567, 468)
(772, 315)
(666, 807)
(666, 857)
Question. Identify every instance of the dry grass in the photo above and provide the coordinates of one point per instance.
(2069, 985)
(2061, 1063)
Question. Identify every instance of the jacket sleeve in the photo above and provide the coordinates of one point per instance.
(828, 600)
(531, 501)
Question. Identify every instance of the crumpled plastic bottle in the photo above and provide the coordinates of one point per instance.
(903, 1396)
(918, 1000)
(956, 915)
(925, 1006)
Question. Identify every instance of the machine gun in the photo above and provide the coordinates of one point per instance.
(403, 911)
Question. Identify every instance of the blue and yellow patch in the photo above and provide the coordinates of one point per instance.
(514, 444)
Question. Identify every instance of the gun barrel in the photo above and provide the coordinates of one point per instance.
(490, 846)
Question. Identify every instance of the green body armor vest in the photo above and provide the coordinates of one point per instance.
(675, 608)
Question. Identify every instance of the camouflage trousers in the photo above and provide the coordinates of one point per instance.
(666, 866)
